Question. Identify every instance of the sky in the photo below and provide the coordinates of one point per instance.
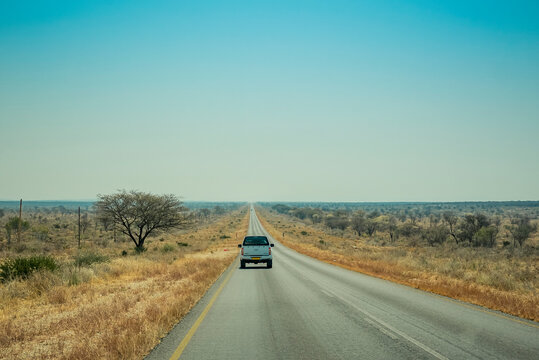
(270, 100)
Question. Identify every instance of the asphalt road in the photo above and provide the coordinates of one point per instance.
(306, 309)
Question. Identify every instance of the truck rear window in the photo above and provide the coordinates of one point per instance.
(255, 240)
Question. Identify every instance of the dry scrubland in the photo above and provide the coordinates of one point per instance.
(118, 308)
(501, 279)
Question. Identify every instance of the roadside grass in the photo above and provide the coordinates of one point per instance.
(100, 304)
(500, 279)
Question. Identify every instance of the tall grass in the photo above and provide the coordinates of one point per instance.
(121, 307)
(86, 259)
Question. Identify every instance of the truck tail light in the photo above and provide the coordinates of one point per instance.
(269, 250)
(241, 251)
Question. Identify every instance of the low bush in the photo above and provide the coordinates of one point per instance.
(22, 267)
(337, 222)
(89, 259)
(167, 248)
(20, 248)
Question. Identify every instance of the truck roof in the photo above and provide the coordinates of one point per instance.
(255, 240)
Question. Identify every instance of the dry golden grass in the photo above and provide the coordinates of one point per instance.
(123, 307)
(486, 277)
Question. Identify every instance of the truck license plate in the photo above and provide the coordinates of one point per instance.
(255, 258)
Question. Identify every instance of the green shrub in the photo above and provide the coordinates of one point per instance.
(124, 253)
(167, 248)
(486, 236)
(435, 234)
(182, 244)
(224, 237)
(24, 266)
(89, 259)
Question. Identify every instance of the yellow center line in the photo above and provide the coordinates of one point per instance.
(179, 350)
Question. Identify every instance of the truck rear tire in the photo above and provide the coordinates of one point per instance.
(242, 264)
(270, 264)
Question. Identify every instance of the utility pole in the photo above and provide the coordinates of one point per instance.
(79, 227)
(20, 223)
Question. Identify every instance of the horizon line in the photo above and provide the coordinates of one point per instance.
(293, 201)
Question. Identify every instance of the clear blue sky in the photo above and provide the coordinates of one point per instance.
(270, 100)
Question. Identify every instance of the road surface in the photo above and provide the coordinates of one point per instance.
(307, 309)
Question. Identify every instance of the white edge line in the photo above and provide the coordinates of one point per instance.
(398, 332)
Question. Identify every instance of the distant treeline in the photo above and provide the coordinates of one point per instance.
(493, 207)
(475, 224)
(14, 205)
(69, 206)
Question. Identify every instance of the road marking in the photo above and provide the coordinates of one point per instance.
(398, 332)
(179, 350)
(387, 332)
(328, 293)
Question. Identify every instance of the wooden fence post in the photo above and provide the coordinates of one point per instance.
(20, 223)
(79, 227)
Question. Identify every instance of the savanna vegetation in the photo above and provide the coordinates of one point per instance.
(484, 253)
(110, 297)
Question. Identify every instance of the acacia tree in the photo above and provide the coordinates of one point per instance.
(106, 223)
(521, 228)
(359, 223)
(470, 225)
(140, 215)
(435, 234)
(204, 213)
(371, 225)
(392, 228)
(84, 223)
(337, 222)
(451, 219)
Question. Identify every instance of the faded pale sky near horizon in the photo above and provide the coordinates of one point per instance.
(270, 100)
